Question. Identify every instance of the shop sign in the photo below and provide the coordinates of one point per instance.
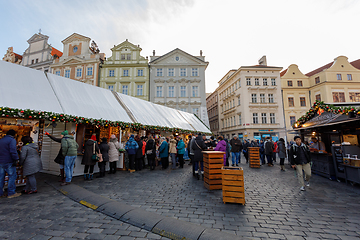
(275, 138)
(265, 135)
(257, 138)
(266, 130)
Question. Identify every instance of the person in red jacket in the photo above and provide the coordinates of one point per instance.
(274, 151)
(143, 151)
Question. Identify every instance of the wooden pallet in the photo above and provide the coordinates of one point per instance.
(233, 185)
(254, 157)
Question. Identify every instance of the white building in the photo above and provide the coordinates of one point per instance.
(177, 80)
(250, 103)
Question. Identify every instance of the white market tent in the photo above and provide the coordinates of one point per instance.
(26, 88)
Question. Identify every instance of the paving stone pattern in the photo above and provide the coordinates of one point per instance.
(275, 208)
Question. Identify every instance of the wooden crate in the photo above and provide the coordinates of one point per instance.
(233, 185)
(254, 157)
(213, 161)
(355, 162)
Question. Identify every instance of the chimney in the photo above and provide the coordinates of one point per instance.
(153, 52)
(200, 52)
(262, 61)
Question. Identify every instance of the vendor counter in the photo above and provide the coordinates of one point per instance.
(322, 164)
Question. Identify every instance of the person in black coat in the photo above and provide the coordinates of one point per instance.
(104, 149)
(245, 150)
(59, 158)
(138, 155)
(198, 147)
(150, 151)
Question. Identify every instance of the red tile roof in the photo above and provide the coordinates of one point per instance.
(18, 56)
(356, 64)
(56, 52)
(320, 69)
(283, 73)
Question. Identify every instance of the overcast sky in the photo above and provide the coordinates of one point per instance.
(231, 33)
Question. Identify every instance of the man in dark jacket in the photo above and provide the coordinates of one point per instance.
(139, 155)
(245, 150)
(300, 158)
(59, 158)
(236, 148)
(269, 148)
(8, 161)
(198, 147)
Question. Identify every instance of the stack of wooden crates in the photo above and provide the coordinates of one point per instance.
(213, 161)
(233, 185)
(254, 157)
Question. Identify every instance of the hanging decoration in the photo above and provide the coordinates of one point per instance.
(319, 107)
(59, 117)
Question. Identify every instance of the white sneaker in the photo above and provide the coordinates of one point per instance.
(307, 184)
(302, 188)
(196, 172)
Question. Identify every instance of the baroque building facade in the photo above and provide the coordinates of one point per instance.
(12, 57)
(250, 103)
(177, 80)
(126, 71)
(335, 82)
(80, 60)
(213, 112)
(40, 54)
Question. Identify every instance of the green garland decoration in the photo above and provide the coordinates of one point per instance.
(326, 108)
(59, 117)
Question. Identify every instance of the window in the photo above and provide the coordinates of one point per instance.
(126, 73)
(140, 72)
(159, 91)
(271, 98)
(89, 71)
(253, 98)
(338, 76)
(78, 72)
(302, 102)
(194, 72)
(354, 97)
(122, 56)
(183, 109)
(262, 97)
(195, 92)
(257, 83)
(248, 81)
(111, 73)
(349, 77)
(182, 72)
(231, 123)
(67, 73)
(183, 91)
(317, 80)
(57, 73)
(171, 72)
(32, 61)
(125, 89)
(289, 83)
(240, 120)
(159, 72)
(128, 56)
(139, 90)
(265, 81)
(238, 100)
(255, 118)
(318, 97)
(291, 101)
(233, 102)
(292, 120)
(37, 60)
(263, 118)
(299, 83)
(171, 91)
(273, 82)
(338, 97)
(235, 85)
(111, 87)
(272, 118)
(195, 111)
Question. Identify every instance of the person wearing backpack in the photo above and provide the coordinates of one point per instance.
(269, 149)
(69, 149)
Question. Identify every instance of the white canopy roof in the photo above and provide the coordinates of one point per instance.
(26, 88)
(195, 122)
(81, 99)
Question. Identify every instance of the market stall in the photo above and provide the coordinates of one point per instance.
(337, 127)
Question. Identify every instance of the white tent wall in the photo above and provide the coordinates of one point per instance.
(84, 100)
(26, 88)
(195, 122)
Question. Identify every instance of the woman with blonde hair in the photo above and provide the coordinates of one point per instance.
(172, 151)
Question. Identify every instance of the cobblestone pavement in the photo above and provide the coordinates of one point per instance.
(275, 208)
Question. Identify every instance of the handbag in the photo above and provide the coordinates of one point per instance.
(94, 157)
(148, 152)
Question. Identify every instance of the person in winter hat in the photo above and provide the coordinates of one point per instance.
(91, 147)
(131, 147)
(221, 146)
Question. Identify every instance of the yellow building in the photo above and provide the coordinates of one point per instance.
(338, 81)
(126, 71)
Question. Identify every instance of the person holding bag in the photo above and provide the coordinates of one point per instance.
(104, 158)
(31, 162)
(150, 149)
(91, 157)
(114, 147)
(69, 149)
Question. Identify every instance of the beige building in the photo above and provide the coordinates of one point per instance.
(213, 111)
(80, 60)
(338, 81)
(12, 57)
(126, 71)
(250, 103)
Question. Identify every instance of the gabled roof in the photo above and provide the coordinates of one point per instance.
(75, 35)
(126, 43)
(178, 50)
(56, 52)
(37, 37)
(320, 69)
(283, 72)
(356, 64)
